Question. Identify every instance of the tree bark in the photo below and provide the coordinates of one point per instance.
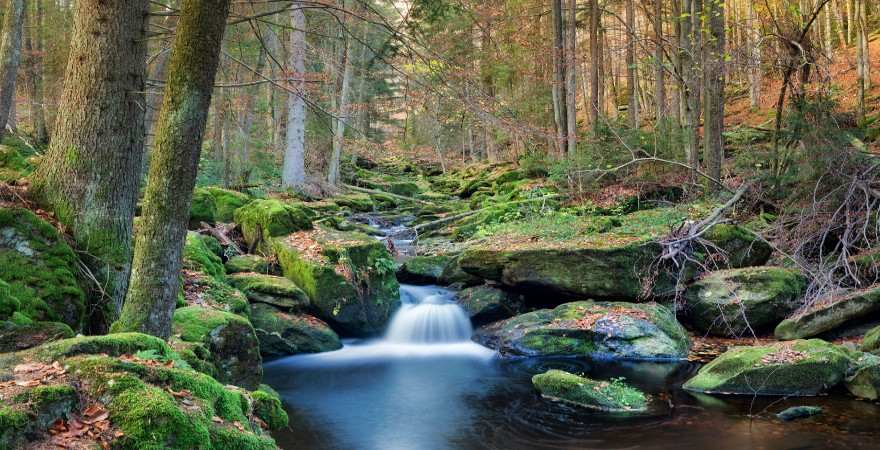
(862, 73)
(691, 118)
(174, 162)
(594, 62)
(341, 116)
(10, 57)
(90, 174)
(659, 75)
(560, 97)
(246, 124)
(713, 142)
(293, 172)
(34, 72)
(570, 77)
(754, 52)
(632, 110)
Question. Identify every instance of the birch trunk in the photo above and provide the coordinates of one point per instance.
(293, 172)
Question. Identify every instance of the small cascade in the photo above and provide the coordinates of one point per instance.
(428, 315)
(397, 233)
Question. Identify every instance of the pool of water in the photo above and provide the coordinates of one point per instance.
(368, 396)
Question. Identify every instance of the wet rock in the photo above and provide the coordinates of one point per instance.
(798, 412)
(348, 278)
(277, 291)
(737, 302)
(830, 313)
(229, 338)
(282, 333)
(863, 379)
(485, 304)
(605, 330)
(793, 368)
(37, 271)
(261, 220)
(423, 269)
(613, 396)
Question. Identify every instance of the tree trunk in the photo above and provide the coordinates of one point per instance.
(560, 98)
(840, 23)
(34, 73)
(90, 174)
(659, 75)
(632, 110)
(10, 56)
(713, 142)
(691, 118)
(570, 77)
(861, 67)
(341, 116)
(155, 277)
(246, 124)
(293, 173)
(594, 63)
(754, 52)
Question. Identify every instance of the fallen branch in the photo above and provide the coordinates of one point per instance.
(221, 233)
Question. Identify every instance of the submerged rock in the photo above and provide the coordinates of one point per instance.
(486, 304)
(798, 412)
(793, 368)
(261, 220)
(348, 277)
(614, 330)
(282, 334)
(229, 338)
(830, 313)
(277, 291)
(612, 265)
(743, 301)
(613, 396)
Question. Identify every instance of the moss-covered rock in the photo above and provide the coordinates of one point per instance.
(355, 202)
(251, 263)
(226, 201)
(27, 415)
(485, 304)
(613, 265)
(282, 333)
(200, 289)
(13, 166)
(613, 396)
(453, 274)
(871, 341)
(19, 336)
(405, 188)
(38, 268)
(261, 220)
(267, 406)
(277, 291)
(830, 313)
(607, 330)
(743, 301)
(423, 269)
(202, 209)
(348, 277)
(791, 368)
(198, 256)
(863, 379)
(229, 337)
(111, 344)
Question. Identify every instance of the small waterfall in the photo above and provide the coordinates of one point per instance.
(428, 316)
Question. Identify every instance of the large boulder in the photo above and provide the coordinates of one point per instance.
(348, 277)
(608, 330)
(199, 257)
(277, 291)
(743, 301)
(202, 209)
(830, 313)
(871, 341)
(863, 379)
(200, 289)
(226, 201)
(613, 396)
(485, 303)
(23, 333)
(261, 220)
(791, 368)
(282, 333)
(230, 339)
(37, 271)
(611, 265)
(423, 269)
(251, 263)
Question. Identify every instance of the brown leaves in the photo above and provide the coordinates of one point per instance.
(92, 426)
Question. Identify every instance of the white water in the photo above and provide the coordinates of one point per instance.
(428, 324)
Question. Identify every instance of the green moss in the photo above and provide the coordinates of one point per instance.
(801, 367)
(13, 423)
(206, 290)
(227, 201)
(193, 323)
(197, 256)
(613, 396)
(406, 189)
(423, 269)
(13, 165)
(355, 202)
(45, 394)
(267, 406)
(264, 219)
(15, 336)
(270, 289)
(202, 209)
(830, 313)
(9, 305)
(111, 344)
(21, 319)
(251, 263)
(283, 334)
(871, 341)
(39, 268)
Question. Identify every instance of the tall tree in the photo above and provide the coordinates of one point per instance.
(293, 173)
(690, 89)
(659, 75)
(632, 110)
(341, 120)
(155, 277)
(560, 99)
(713, 70)
(570, 77)
(33, 45)
(90, 174)
(594, 63)
(10, 57)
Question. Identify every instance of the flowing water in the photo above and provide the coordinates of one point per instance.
(425, 385)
